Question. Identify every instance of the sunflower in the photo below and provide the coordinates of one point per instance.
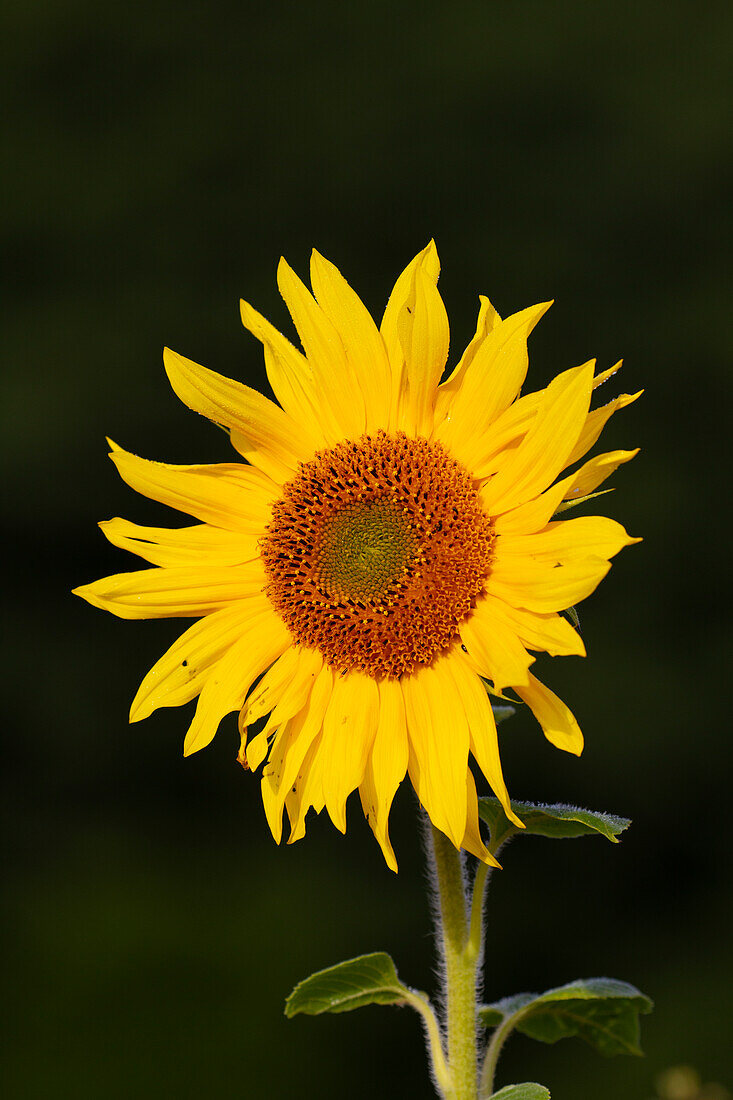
(383, 554)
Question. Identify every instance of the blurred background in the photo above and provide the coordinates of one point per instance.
(158, 160)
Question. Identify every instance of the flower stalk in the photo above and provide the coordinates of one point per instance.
(460, 947)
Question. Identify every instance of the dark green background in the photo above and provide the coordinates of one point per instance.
(159, 158)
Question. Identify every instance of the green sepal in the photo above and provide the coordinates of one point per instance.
(571, 613)
(366, 980)
(552, 821)
(502, 713)
(528, 1091)
(601, 1011)
(567, 504)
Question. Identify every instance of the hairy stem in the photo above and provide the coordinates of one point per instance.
(460, 958)
(476, 925)
(437, 1055)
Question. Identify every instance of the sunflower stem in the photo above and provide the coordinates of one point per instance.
(476, 926)
(460, 958)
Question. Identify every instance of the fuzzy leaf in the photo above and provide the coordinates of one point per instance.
(553, 821)
(602, 1011)
(528, 1091)
(366, 980)
(502, 713)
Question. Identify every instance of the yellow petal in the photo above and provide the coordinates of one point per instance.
(595, 423)
(510, 428)
(401, 292)
(568, 540)
(544, 588)
(400, 299)
(179, 592)
(535, 514)
(293, 702)
(439, 740)
(484, 742)
(360, 337)
(285, 688)
(493, 646)
(229, 495)
(490, 385)
(505, 435)
(336, 384)
(182, 671)
(549, 632)
(270, 782)
(595, 471)
(557, 720)
(472, 840)
(261, 643)
(200, 545)
(386, 766)
(487, 321)
(544, 451)
(606, 374)
(307, 791)
(288, 372)
(348, 734)
(259, 429)
(252, 753)
(294, 765)
(422, 329)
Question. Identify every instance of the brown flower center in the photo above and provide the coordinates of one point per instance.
(376, 552)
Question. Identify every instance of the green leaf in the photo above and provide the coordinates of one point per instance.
(553, 821)
(602, 1011)
(527, 1091)
(494, 1014)
(366, 980)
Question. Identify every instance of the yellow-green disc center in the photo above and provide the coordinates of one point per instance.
(363, 549)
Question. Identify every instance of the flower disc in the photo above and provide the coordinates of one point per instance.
(377, 551)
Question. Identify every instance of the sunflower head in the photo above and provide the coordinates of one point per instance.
(381, 557)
